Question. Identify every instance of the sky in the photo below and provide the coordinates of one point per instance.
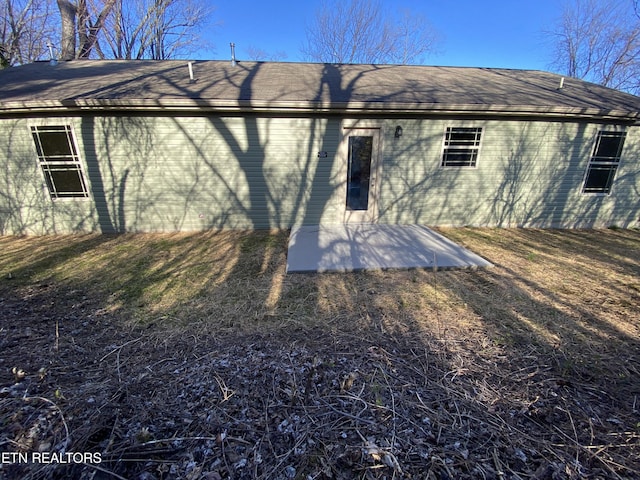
(489, 33)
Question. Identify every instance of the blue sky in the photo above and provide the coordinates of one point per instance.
(486, 33)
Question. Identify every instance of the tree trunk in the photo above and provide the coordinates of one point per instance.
(89, 30)
(83, 25)
(68, 41)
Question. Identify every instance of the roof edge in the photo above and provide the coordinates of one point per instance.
(225, 106)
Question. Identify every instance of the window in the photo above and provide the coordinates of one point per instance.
(461, 145)
(359, 172)
(60, 162)
(604, 162)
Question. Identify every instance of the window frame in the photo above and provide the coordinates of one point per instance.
(472, 147)
(53, 164)
(600, 162)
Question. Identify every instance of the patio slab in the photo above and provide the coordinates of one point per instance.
(349, 247)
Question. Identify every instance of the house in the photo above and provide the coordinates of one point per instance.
(115, 146)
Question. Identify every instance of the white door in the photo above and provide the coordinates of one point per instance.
(361, 149)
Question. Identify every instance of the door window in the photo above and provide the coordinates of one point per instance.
(359, 172)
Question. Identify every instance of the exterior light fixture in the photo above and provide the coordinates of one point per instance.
(398, 133)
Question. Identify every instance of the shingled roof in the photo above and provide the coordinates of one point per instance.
(305, 87)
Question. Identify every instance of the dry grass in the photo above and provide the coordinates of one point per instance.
(526, 370)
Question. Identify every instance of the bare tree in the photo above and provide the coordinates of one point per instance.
(599, 42)
(25, 29)
(359, 32)
(259, 54)
(79, 27)
(156, 29)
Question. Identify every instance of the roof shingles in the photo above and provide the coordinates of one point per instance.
(258, 86)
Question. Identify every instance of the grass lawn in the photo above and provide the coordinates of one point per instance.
(193, 355)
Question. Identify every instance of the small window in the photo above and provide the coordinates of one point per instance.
(604, 162)
(461, 145)
(60, 162)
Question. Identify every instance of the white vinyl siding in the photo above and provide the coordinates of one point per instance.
(531, 173)
(190, 173)
(166, 173)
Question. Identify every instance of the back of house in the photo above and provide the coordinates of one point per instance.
(115, 146)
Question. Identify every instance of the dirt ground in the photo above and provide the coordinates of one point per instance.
(194, 356)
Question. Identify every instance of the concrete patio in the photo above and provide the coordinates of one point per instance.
(345, 248)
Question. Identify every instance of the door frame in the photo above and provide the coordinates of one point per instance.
(361, 129)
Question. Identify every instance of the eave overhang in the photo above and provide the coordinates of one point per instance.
(221, 106)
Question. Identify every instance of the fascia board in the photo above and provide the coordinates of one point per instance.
(257, 106)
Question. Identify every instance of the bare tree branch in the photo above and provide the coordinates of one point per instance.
(110, 28)
(599, 42)
(25, 27)
(358, 31)
(259, 54)
(92, 29)
(156, 29)
(79, 31)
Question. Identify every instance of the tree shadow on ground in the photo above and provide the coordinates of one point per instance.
(217, 352)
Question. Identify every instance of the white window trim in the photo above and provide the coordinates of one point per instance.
(44, 164)
(478, 148)
(615, 163)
